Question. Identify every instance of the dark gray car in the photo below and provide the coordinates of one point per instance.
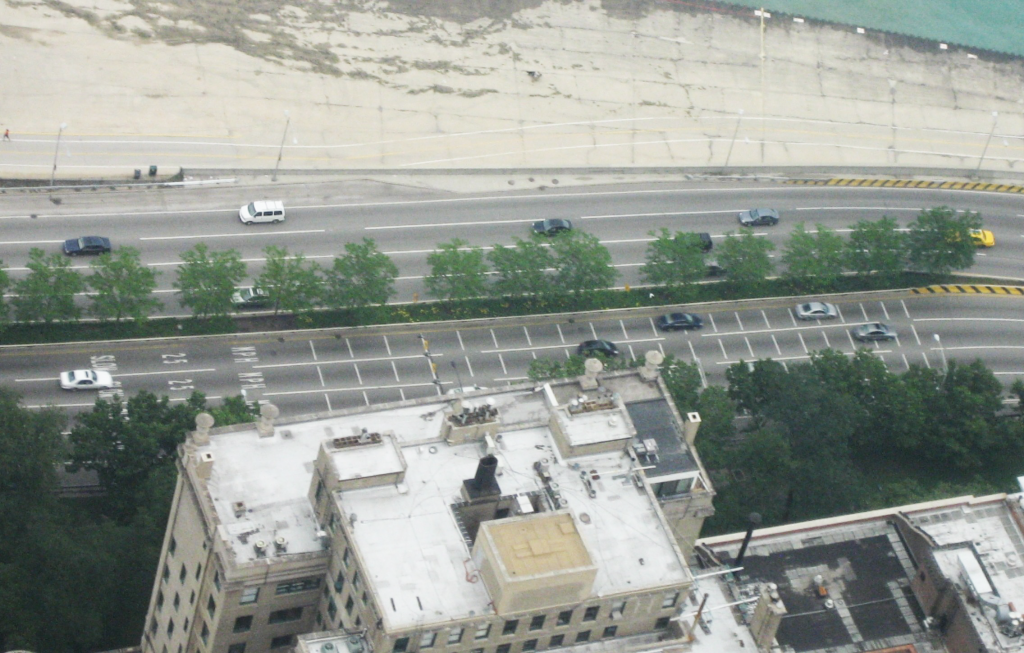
(591, 347)
(86, 245)
(873, 331)
(551, 227)
(759, 218)
(680, 321)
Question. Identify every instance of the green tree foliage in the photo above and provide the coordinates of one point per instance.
(939, 240)
(876, 249)
(291, 283)
(457, 271)
(747, 258)
(123, 286)
(582, 263)
(683, 381)
(5, 283)
(718, 425)
(522, 269)
(207, 280)
(544, 369)
(674, 260)
(814, 262)
(364, 276)
(48, 292)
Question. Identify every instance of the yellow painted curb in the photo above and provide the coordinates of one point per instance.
(969, 289)
(908, 183)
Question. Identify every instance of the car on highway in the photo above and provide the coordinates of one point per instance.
(715, 268)
(983, 238)
(593, 347)
(86, 380)
(680, 322)
(759, 218)
(873, 331)
(551, 227)
(816, 311)
(250, 297)
(87, 245)
(262, 211)
(706, 244)
(466, 388)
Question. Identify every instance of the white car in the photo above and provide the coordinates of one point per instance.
(86, 380)
(262, 211)
(816, 311)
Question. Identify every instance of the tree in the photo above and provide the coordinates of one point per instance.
(207, 280)
(123, 286)
(522, 269)
(940, 241)
(290, 282)
(457, 271)
(48, 292)
(877, 249)
(674, 260)
(814, 262)
(583, 263)
(362, 277)
(747, 259)
(683, 381)
(5, 283)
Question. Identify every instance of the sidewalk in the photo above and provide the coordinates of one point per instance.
(674, 87)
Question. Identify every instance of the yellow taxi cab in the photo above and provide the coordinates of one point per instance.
(983, 238)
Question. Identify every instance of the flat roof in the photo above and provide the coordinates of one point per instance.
(539, 544)
(653, 420)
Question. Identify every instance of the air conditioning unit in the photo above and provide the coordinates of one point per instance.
(280, 544)
(327, 648)
(260, 547)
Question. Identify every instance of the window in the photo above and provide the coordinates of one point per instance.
(205, 634)
(302, 585)
(455, 635)
(185, 627)
(281, 616)
(216, 580)
(529, 645)
(339, 582)
(170, 627)
(319, 490)
(556, 640)
(477, 650)
(184, 572)
(159, 600)
(172, 546)
(609, 631)
(192, 598)
(153, 625)
(583, 636)
(537, 622)
(199, 570)
(211, 605)
(618, 609)
(177, 600)
(482, 631)
(401, 645)
(661, 623)
(427, 639)
(363, 598)
(167, 573)
(359, 622)
(510, 627)
(242, 624)
(282, 641)
(332, 608)
(319, 619)
(349, 604)
(591, 613)
(345, 557)
(237, 648)
(670, 600)
(249, 595)
(503, 648)
(356, 581)
(564, 618)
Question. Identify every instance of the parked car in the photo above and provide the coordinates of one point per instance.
(86, 380)
(262, 211)
(706, 245)
(816, 311)
(591, 347)
(759, 218)
(87, 245)
(873, 331)
(250, 297)
(715, 269)
(680, 321)
(552, 226)
(983, 238)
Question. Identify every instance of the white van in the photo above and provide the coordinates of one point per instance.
(262, 211)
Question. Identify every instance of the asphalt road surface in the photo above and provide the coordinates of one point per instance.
(335, 369)
(407, 223)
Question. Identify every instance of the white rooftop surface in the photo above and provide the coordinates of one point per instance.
(368, 460)
(595, 427)
(726, 634)
(999, 549)
(412, 549)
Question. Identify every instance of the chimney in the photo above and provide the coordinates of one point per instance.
(768, 615)
(204, 465)
(652, 360)
(201, 436)
(755, 521)
(690, 426)
(265, 424)
(483, 484)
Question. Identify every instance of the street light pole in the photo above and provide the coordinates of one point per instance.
(942, 352)
(53, 173)
(280, 152)
(458, 377)
(995, 119)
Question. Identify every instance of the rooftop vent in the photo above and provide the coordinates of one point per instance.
(239, 508)
(480, 415)
(363, 437)
(280, 544)
(260, 547)
(483, 484)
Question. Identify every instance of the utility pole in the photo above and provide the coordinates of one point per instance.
(56, 151)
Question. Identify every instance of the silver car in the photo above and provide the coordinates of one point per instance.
(873, 331)
(759, 218)
(817, 311)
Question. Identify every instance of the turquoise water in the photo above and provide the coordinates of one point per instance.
(990, 24)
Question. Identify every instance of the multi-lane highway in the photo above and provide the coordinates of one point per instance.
(407, 223)
(313, 371)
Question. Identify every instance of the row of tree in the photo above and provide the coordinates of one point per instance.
(937, 242)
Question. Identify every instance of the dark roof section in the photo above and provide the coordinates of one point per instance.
(653, 419)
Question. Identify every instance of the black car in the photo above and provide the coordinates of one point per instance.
(705, 242)
(759, 218)
(86, 245)
(677, 321)
(603, 347)
(551, 227)
(715, 269)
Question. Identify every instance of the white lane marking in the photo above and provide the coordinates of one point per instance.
(461, 344)
(511, 378)
(625, 336)
(968, 319)
(738, 320)
(971, 347)
(783, 359)
(713, 325)
(593, 331)
(359, 377)
(916, 337)
(237, 235)
(765, 316)
(543, 347)
(501, 359)
(31, 242)
(905, 361)
(749, 348)
(793, 317)
(722, 345)
(327, 398)
(926, 363)
(312, 349)
(363, 389)
(884, 311)
(366, 398)
(842, 318)
(321, 375)
(495, 339)
(817, 325)
(827, 343)
(853, 345)
(469, 366)
(898, 344)
(118, 376)
(905, 310)
(778, 350)
(655, 215)
(863, 311)
(395, 368)
(343, 361)
(560, 335)
(654, 329)
(387, 345)
(802, 343)
(526, 332)
(632, 355)
(349, 345)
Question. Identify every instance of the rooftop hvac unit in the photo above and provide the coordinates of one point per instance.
(327, 648)
(260, 547)
(280, 544)
(355, 644)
